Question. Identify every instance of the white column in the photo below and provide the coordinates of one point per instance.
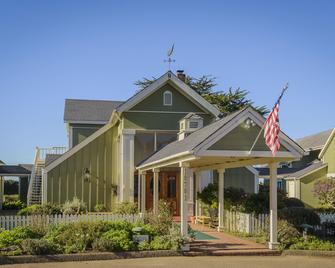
(197, 189)
(184, 172)
(221, 198)
(139, 189)
(1, 191)
(155, 190)
(143, 197)
(273, 244)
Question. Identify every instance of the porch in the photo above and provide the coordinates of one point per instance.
(221, 145)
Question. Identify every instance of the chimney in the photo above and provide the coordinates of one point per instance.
(181, 75)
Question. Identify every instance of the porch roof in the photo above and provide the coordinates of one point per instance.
(13, 170)
(196, 148)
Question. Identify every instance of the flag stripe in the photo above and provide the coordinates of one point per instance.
(272, 129)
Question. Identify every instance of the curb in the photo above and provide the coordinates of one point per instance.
(92, 256)
(314, 253)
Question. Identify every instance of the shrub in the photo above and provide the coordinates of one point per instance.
(313, 243)
(299, 216)
(125, 208)
(173, 240)
(100, 208)
(12, 205)
(39, 247)
(293, 202)
(324, 190)
(15, 236)
(74, 207)
(161, 222)
(287, 233)
(144, 245)
(114, 240)
(44, 209)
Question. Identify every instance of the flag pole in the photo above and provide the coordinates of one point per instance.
(259, 133)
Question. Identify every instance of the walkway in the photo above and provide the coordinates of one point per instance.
(225, 244)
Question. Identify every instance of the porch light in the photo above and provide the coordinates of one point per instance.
(87, 175)
(249, 123)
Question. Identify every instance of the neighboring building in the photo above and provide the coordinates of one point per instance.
(109, 140)
(299, 177)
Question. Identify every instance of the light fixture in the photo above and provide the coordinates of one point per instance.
(249, 123)
(87, 175)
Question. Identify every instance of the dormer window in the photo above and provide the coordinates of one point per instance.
(193, 124)
(167, 98)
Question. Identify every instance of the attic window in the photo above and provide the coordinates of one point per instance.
(167, 98)
(193, 124)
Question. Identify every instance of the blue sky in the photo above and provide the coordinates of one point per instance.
(52, 50)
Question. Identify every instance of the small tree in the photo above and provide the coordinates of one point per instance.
(324, 190)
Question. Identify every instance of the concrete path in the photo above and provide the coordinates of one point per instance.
(195, 262)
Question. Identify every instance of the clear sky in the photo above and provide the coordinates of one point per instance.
(52, 50)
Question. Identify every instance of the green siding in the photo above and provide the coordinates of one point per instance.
(238, 178)
(306, 187)
(161, 121)
(72, 170)
(241, 139)
(81, 131)
(154, 102)
(329, 156)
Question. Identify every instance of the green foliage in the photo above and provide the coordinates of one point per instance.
(293, 202)
(313, 243)
(44, 209)
(100, 208)
(162, 221)
(298, 216)
(126, 208)
(12, 205)
(324, 190)
(114, 240)
(39, 247)
(287, 233)
(14, 237)
(76, 206)
(144, 245)
(227, 101)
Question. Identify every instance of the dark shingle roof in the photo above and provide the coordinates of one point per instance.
(312, 167)
(13, 170)
(49, 158)
(89, 110)
(315, 141)
(191, 141)
(283, 172)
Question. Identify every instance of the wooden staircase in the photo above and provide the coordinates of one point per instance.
(35, 188)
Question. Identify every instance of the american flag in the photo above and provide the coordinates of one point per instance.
(272, 127)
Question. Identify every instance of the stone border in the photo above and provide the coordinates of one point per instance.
(314, 253)
(90, 256)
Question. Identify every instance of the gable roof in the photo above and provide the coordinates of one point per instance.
(315, 141)
(7, 170)
(307, 170)
(89, 111)
(168, 77)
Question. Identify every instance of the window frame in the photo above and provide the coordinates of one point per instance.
(164, 100)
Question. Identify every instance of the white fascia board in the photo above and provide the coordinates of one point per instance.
(137, 98)
(325, 147)
(76, 148)
(85, 122)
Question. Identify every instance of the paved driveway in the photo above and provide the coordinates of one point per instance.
(196, 262)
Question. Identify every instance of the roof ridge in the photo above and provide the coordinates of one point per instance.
(93, 100)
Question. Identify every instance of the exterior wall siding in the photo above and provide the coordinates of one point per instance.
(66, 180)
(329, 156)
(241, 138)
(81, 131)
(306, 187)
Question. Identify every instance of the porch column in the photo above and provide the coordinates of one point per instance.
(155, 190)
(221, 198)
(184, 171)
(197, 189)
(273, 244)
(143, 190)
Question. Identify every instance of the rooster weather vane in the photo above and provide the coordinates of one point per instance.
(169, 57)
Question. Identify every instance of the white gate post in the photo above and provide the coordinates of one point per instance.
(273, 244)
(221, 198)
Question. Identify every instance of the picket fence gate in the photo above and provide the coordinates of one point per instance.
(327, 217)
(245, 223)
(10, 222)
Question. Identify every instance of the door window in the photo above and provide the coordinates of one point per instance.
(171, 187)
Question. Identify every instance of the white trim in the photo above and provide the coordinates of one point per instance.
(229, 153)
(304, 175)
(325, 147)
(76, 148)
(330, 175)
(167, 92)
(168, 76)
(256, 175)
(86, 122)
(163, 112)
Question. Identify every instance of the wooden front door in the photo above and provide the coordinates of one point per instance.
(169, 190)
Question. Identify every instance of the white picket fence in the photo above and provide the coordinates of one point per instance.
(10, 222)
(326, 217)
(246, 223)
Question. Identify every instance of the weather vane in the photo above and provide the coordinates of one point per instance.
(169, 57)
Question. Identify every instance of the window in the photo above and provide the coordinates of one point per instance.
(171, 187)
(164, 138)
(167, 98)
(144, 145)
(193, 124)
